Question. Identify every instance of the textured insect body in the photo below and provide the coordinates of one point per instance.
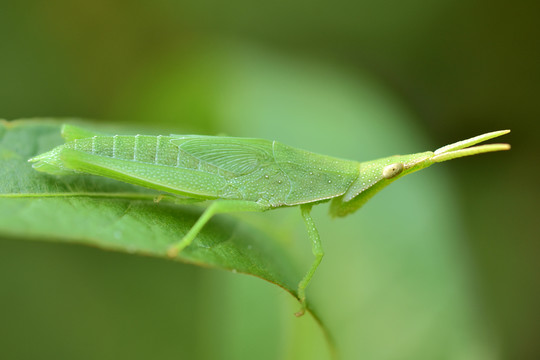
(242, 174)
(267, 172)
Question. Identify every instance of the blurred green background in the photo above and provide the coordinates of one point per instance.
(442, 265)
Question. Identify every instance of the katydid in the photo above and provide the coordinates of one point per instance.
(242, 174)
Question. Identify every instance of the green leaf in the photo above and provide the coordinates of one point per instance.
(112, 215)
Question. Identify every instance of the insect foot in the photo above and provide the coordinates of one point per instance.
(172, 251)
(302, 310)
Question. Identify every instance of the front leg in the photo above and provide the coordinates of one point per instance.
(317, 251)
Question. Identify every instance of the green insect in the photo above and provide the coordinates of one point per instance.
(242, 174)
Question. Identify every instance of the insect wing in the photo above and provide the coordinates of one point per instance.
(72, 132)
(234, 155)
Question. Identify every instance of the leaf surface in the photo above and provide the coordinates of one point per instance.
(113, 215)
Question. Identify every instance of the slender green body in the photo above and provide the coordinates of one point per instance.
(267, 172)
(242, 174)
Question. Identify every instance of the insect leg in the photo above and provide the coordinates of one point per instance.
(317, 251)
(217, 207)
(181, 200)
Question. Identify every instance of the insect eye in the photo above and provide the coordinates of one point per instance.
(392, 170)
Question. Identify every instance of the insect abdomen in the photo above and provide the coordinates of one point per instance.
(156, 150)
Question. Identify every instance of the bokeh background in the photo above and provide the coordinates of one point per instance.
(443, 266)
